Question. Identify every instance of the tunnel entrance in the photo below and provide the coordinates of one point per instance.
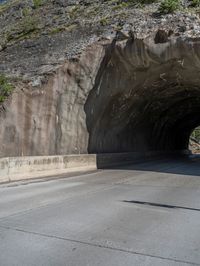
(146, 98)
(194, 143)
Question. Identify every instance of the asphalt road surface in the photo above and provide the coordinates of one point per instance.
(144, 214)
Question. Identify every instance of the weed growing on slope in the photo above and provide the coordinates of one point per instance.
(195, 3)
(37, 3)
(169, 6)
(5, 88)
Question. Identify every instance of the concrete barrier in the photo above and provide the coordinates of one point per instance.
(4, 166)
(19, 168)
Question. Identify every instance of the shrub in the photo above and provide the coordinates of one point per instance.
(196, 134)
(195, 3)
(26, 12)
(27, 26)
(169, 6)
(37, 3)
(104, 21)
(5, 88)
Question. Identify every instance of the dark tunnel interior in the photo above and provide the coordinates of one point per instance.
(140, 103)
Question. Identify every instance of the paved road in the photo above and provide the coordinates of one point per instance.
(145, 214)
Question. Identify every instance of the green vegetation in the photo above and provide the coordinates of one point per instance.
(5, 88)
(169, 6)
(104, 21)
(68, 28)
(195, 3)
(26, 11)
(74, 12)
(166, 6)
(27, 26)
(196, 134)
(37, 3)
(32, 23)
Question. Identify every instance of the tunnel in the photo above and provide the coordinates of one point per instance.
(146, 96)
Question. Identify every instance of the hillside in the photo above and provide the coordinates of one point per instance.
(37, 36)
(83, 76)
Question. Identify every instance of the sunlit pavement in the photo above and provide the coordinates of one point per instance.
(144, 214)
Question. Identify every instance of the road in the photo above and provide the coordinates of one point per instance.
(143, 214)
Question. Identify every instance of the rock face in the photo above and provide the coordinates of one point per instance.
(51, 119)
(130, 95)
(98, 76)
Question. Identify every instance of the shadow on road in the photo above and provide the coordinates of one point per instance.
(183, 165)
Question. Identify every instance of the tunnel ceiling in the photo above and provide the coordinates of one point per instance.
(146, 96)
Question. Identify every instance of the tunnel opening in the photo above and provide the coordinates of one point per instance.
(194, 142)
(146, 98)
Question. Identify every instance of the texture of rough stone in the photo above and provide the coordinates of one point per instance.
(35, 41)
(51, 119)
(119, 96)
(89, 82)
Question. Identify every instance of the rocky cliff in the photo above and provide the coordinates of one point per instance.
(96, 76)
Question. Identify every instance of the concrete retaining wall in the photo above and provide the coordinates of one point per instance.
(19, 168)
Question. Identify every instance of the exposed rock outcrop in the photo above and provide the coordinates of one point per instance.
(137, 90)
(51, 119)
(118, 96)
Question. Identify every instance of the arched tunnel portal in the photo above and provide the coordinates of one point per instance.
(146, 97)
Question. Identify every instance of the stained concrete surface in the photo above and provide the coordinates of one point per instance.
(84, 220)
